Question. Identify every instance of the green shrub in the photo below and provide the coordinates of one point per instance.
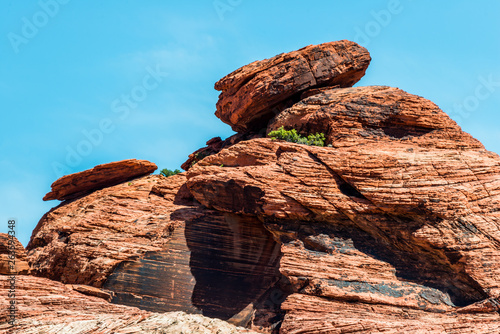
(167, 172)
(317, 139)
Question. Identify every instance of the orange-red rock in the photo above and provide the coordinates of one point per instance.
(374, 114)
(12, 256)
(392, 227)
(401, 212)
(149, 244)
(45, 306)
(255, 92)
(101, 176)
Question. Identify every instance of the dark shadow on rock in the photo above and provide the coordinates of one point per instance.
(412, 263)
(234, 261)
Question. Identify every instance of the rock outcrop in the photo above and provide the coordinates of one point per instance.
(393, 226)
(254, 93)
(46, 306)
(148, 243)
(101, 176)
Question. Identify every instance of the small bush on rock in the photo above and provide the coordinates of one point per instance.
(167, 172)
(317, 139)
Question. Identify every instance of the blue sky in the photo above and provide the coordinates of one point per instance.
(124, 79)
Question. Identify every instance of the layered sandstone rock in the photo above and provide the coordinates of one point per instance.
(45, 306)
(148, 243)
(375, 114)
(82, 241)
(401, 212)
(253, 94)
(12, 256)
(101, 176)
(392, 227)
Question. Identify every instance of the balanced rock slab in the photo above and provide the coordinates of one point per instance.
(101, 176)
(250, 93)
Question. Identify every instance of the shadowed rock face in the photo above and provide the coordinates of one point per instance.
(147, 243)
(216, 265)
(253, 94)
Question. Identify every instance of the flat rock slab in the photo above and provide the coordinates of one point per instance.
(250, 93)
(101, 176)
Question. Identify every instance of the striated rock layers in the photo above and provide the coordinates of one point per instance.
(256, 91)
(46, 306)
(148, 243)
(393, 226)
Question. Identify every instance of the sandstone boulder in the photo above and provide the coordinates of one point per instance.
(250, 93)
(101, 176)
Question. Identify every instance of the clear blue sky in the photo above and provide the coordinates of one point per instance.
(84, 67)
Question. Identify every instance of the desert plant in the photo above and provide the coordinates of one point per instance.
(167, 172)
(317, 139)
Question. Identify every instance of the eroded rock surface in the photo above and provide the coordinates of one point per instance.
(401, 211)
(82, 241)
(12, 256)
(148, 243)
(101, 176)
(251, 94)
(45, 306)
(392, 227)
(374, 114)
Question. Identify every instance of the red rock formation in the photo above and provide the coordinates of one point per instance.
(152, 245)
(375, 114)
(250, 93)
(393, 227)
(12, 256)
(82, 241)
(400, 212)
(45, 306)
(101, 176)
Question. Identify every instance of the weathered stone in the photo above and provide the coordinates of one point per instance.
(397, 222)
(101, 176)
(250, 93)
(149, 244)
(45, 306)
(12, 256)
(93, 291)
(311, 314)
(393, 227)
(82, 241)
(215, 145)
(374, 114)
